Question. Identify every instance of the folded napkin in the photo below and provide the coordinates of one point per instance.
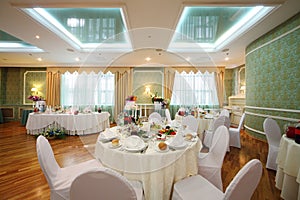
(209, 116)
(177, 141)
(134, 142)
(108, 134)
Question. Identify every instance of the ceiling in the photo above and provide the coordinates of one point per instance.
(151, 26)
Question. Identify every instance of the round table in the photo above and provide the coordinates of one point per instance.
(158, 171)
(288, 166)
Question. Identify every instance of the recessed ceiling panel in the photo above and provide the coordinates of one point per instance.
(85, 28)
(213, 27)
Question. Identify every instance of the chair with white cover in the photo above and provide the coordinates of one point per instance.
(242, 186)
(191, 122)
(225, 112)
(210, 164)
(155, 117)
(59, 179)
(104, 183)
(208, 134)
(273, 135)
(234, 133)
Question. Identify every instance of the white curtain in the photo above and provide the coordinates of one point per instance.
(87, 89)
(194, 89)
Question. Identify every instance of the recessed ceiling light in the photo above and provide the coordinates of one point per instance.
(37, 37)
(148, 59)
(39, 59)
(226, 58)
(77, 59)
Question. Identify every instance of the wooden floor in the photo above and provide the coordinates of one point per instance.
(21, 176)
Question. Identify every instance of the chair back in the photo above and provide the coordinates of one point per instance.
(245, 181)
(272, 131)
(168, 115)
(241, 122)
(219, 144)
(47, 160)
(221, 120)
(225, 112)
(191, 122)
(101, 183)
(154, 117)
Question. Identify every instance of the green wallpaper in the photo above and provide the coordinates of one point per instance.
(12, 81)
(273, 74)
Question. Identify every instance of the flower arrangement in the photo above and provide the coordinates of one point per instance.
(156, 98)
(54, 132)
(131, 98)
(35, 98)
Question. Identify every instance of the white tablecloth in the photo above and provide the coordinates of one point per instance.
(204, 124)
(288, 161)
(156, 170)
(80, 124)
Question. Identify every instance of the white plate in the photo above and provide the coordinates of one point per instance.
(161, 151)
(134, 143)
(114, 147)
(137, 149)
(105, 139)
(181, 146)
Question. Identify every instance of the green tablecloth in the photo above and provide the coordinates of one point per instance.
(24, 118)
(1, 117)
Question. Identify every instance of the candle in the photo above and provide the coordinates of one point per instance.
(135, 114)
(140, 111)
(145, 111)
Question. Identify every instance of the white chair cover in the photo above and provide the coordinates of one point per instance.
(225, 112)
(208, 135)
(210, 164)
(104, 183)
(241, 187)
(234, 133)
(59, 179)
(155, 117)
(191, 122)
(273, 135)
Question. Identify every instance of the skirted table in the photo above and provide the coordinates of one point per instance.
(25, 114)
(80, 124)
(288, 169)
(157, 170)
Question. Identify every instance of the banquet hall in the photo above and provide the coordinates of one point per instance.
(79, 72)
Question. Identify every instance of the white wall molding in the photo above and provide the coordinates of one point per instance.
(254, 130)
(272, 116)
(273, 109)
(273, 40)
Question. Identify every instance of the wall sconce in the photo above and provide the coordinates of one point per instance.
(147, 90)
(34, 91)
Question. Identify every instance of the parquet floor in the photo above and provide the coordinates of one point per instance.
(21, 177)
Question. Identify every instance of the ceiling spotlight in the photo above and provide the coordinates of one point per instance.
(37, 37)
(226, 58)
(39, 59)
(77, 59)
(148, 59)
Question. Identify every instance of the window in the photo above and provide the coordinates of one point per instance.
(87, 89)
(194, 89)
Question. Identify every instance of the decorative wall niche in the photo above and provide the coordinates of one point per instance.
(37, 80)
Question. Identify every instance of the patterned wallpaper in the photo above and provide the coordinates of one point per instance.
(273, 75)
(12, 82)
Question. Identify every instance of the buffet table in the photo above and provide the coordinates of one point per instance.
(288, 168)
(80, 124)
(157, 170)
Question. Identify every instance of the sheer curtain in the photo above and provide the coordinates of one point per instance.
(195, 89)
(85, 89)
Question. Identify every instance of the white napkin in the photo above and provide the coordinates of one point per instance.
(134, 142)
(108, 134)
(146, 126)
(177, 141)
(209, 116)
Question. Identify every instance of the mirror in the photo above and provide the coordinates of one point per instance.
(242, 80)
(34, 84)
